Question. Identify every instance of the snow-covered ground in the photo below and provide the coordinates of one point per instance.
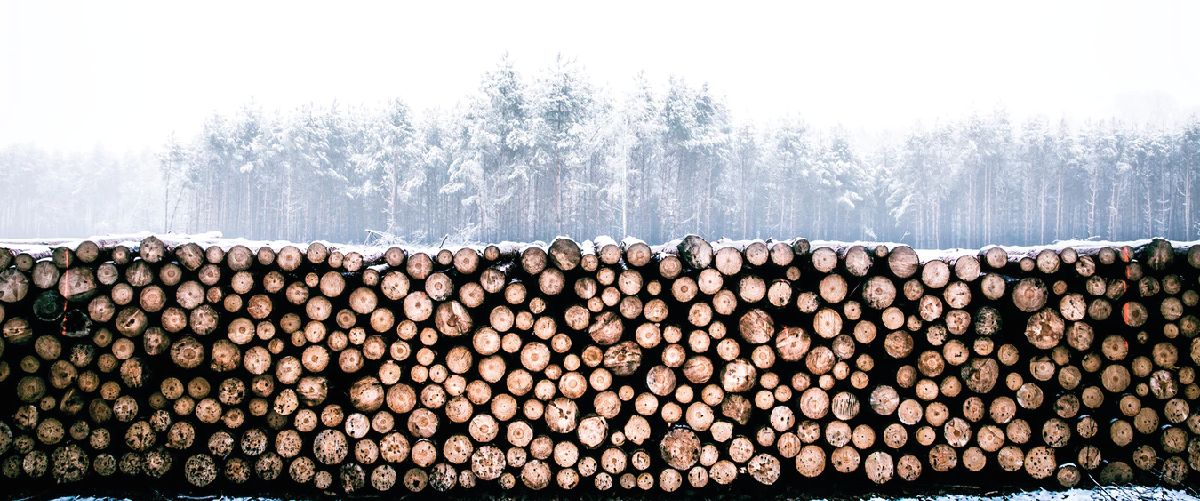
(1098, 494)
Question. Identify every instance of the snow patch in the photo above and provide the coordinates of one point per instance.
(1096, 494)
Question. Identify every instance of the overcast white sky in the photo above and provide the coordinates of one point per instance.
(125, 74)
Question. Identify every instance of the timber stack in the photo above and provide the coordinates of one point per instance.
(597, 367)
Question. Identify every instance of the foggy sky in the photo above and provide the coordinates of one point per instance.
(125, 74)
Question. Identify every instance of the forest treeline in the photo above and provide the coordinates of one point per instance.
(529, 157)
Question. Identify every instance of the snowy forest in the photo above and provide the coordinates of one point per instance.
(530, 156)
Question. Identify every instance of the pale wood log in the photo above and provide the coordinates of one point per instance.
(824, 259)
(757, 253)
(1045, 329)
(151, 249)
(903, 262)
(606, 328)
(13, 285)
(810, 462)
(957, 295)
(878, 293)
(637, 254)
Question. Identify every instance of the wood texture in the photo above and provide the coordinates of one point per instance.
(596, 367)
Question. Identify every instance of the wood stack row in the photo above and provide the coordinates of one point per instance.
(597, 367)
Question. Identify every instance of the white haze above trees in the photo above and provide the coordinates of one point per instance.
(535, 154)
(125, 74)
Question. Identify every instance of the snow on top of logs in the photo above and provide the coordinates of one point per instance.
(43, 247)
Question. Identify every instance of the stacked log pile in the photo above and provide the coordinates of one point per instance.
(606, 366)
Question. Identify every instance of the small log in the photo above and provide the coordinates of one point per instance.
(878, 293)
